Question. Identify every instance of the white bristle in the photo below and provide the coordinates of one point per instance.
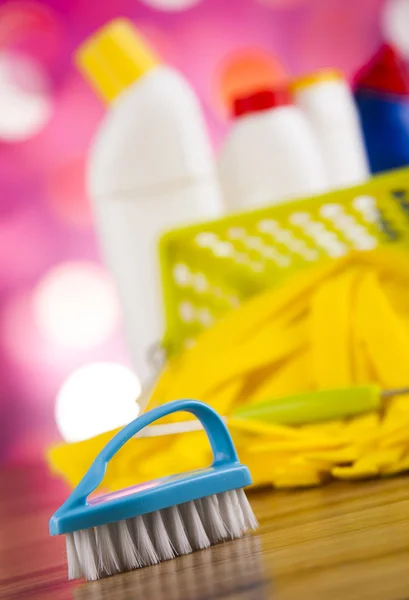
(228, 515)
(160, 535)
(144, 543)
(237, 509)
(199, 508)
(78, 544)
(194, 526)
(177, 531)
(161, 538)
(74, 565)
(106, 547)
(89, 554)
(215, 528)
(129, 555)
(249, 516)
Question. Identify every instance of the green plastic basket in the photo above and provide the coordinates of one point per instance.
(210, 268)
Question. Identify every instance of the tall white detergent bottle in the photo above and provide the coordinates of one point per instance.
(327, 101)
(150, 169)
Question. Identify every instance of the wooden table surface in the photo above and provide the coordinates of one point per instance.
(342, 541)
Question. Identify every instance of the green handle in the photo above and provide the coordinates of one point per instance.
(313, 407)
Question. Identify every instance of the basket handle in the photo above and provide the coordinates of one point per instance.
(217, 432)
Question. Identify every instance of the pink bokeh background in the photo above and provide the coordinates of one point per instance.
(45, 217)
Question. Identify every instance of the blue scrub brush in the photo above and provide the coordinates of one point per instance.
(161, 519)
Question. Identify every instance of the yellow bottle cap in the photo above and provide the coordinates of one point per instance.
(316, 77)
(114, 57)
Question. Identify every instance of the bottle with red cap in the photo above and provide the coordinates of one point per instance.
(382, 97)
(271, 154)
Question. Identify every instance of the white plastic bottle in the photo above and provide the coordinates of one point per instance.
(327, 101)
(150, 169)
(270, 154)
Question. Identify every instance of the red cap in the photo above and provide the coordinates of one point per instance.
(261, 100)
(386, 72)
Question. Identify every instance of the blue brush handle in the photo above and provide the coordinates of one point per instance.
(222, 445)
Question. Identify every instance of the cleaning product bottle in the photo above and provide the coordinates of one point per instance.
(150, 168)
(270, 154)
(327, 101)
(382, 96)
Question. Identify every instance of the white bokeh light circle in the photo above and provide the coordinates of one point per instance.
(75, 306)
(25, 99)
(96, 398)
(395, 24)
(171, 5)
